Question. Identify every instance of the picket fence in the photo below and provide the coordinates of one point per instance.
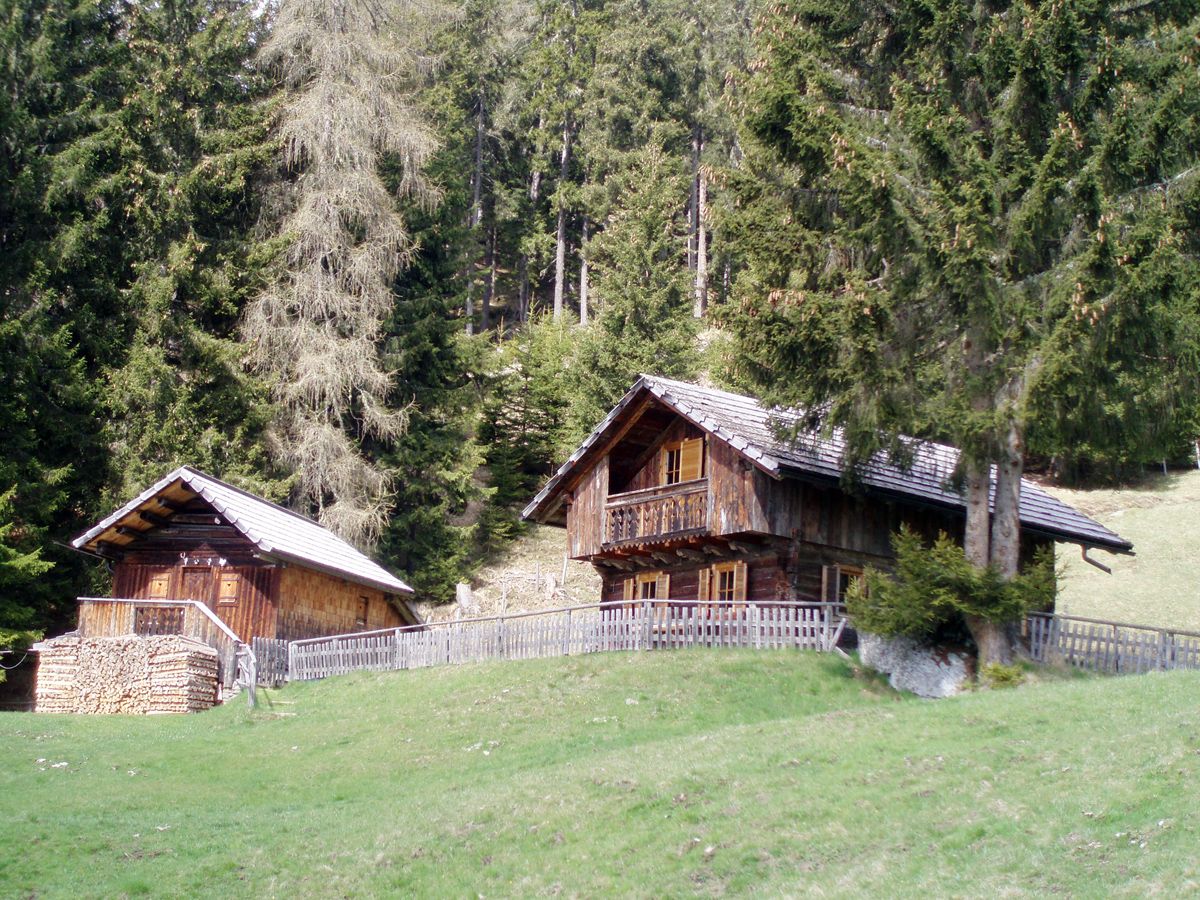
(1115, 647)
(572, 631)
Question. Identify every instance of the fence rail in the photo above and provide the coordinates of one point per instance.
(1116, 647)
(572, 631)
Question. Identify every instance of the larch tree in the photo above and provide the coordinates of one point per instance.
(350, 71)
(950, 212)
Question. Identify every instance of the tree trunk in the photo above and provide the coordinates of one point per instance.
(583, 275)
(694, 201)
(701, 301)
(992, 640)
(1006, 518)
(489, 281)
(560, 239)
(975, 536)
(475, 216)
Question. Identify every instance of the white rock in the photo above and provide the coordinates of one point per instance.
(923, 670)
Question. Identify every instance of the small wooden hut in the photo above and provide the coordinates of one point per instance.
(262, 570)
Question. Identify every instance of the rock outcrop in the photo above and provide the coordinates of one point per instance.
(923, 670)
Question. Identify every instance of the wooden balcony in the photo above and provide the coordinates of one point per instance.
(656, 513)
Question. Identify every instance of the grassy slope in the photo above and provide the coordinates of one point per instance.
(696, 771)
(1159, 586)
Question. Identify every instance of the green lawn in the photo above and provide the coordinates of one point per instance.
(693, 772)
(1161, 584)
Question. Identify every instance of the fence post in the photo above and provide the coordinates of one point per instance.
(1164, 652)
(646, 624)
(567, 635)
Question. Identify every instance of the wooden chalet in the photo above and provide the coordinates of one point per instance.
(262, 570)
(687, 493)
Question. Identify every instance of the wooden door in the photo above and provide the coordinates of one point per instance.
(196, 583)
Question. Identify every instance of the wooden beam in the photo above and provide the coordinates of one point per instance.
(714, 550)
(690, 554)
(154, 519)
(173, 505)
(664, 558)
(107, 550)
(744, 548)
(126, 531)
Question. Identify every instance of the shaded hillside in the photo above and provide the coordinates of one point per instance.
(1158, 586)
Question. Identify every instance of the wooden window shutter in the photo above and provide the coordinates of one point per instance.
(829, 584)
(704, 592)
(662, 587)
(628, 589)
(159, 586)
(227, 588)
(691, 464)
(739, 581)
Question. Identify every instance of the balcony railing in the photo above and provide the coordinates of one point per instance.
(657, 512)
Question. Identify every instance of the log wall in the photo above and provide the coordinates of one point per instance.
(312, 604)
(585, 518)
(766, 580)
(125, 675)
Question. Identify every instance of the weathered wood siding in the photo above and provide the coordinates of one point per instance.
(312, 604)
(199, 556)
(585, 518)
(649, 475)
(737, 492)
(240, 595)
(766, 580)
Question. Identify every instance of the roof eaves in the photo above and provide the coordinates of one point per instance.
(110, 520)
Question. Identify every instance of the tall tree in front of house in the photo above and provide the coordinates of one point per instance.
(350, 71)
(950, 213)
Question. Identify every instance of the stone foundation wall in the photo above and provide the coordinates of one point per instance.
(163, 674)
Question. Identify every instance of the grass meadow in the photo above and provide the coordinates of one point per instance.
(1159, 585)
(687, 773)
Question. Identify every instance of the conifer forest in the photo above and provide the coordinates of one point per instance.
(386, 262)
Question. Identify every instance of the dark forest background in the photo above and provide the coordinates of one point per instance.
(388, 262)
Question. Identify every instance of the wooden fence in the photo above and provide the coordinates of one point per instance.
(571, 631)
(272, 658)
(1116, 647)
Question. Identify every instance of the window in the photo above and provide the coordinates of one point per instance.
(227, 589)
(724, 582)
(682, 461)
(647, 586)
(836, 581)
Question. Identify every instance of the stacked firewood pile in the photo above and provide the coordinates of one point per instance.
(131, 674)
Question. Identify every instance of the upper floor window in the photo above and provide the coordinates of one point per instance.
(682, 461)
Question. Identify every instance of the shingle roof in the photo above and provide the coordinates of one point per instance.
(275, 531)
(752, 430)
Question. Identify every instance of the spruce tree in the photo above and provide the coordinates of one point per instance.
(645, 323)
(950, 214)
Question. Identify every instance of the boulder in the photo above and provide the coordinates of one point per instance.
(926, 671)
